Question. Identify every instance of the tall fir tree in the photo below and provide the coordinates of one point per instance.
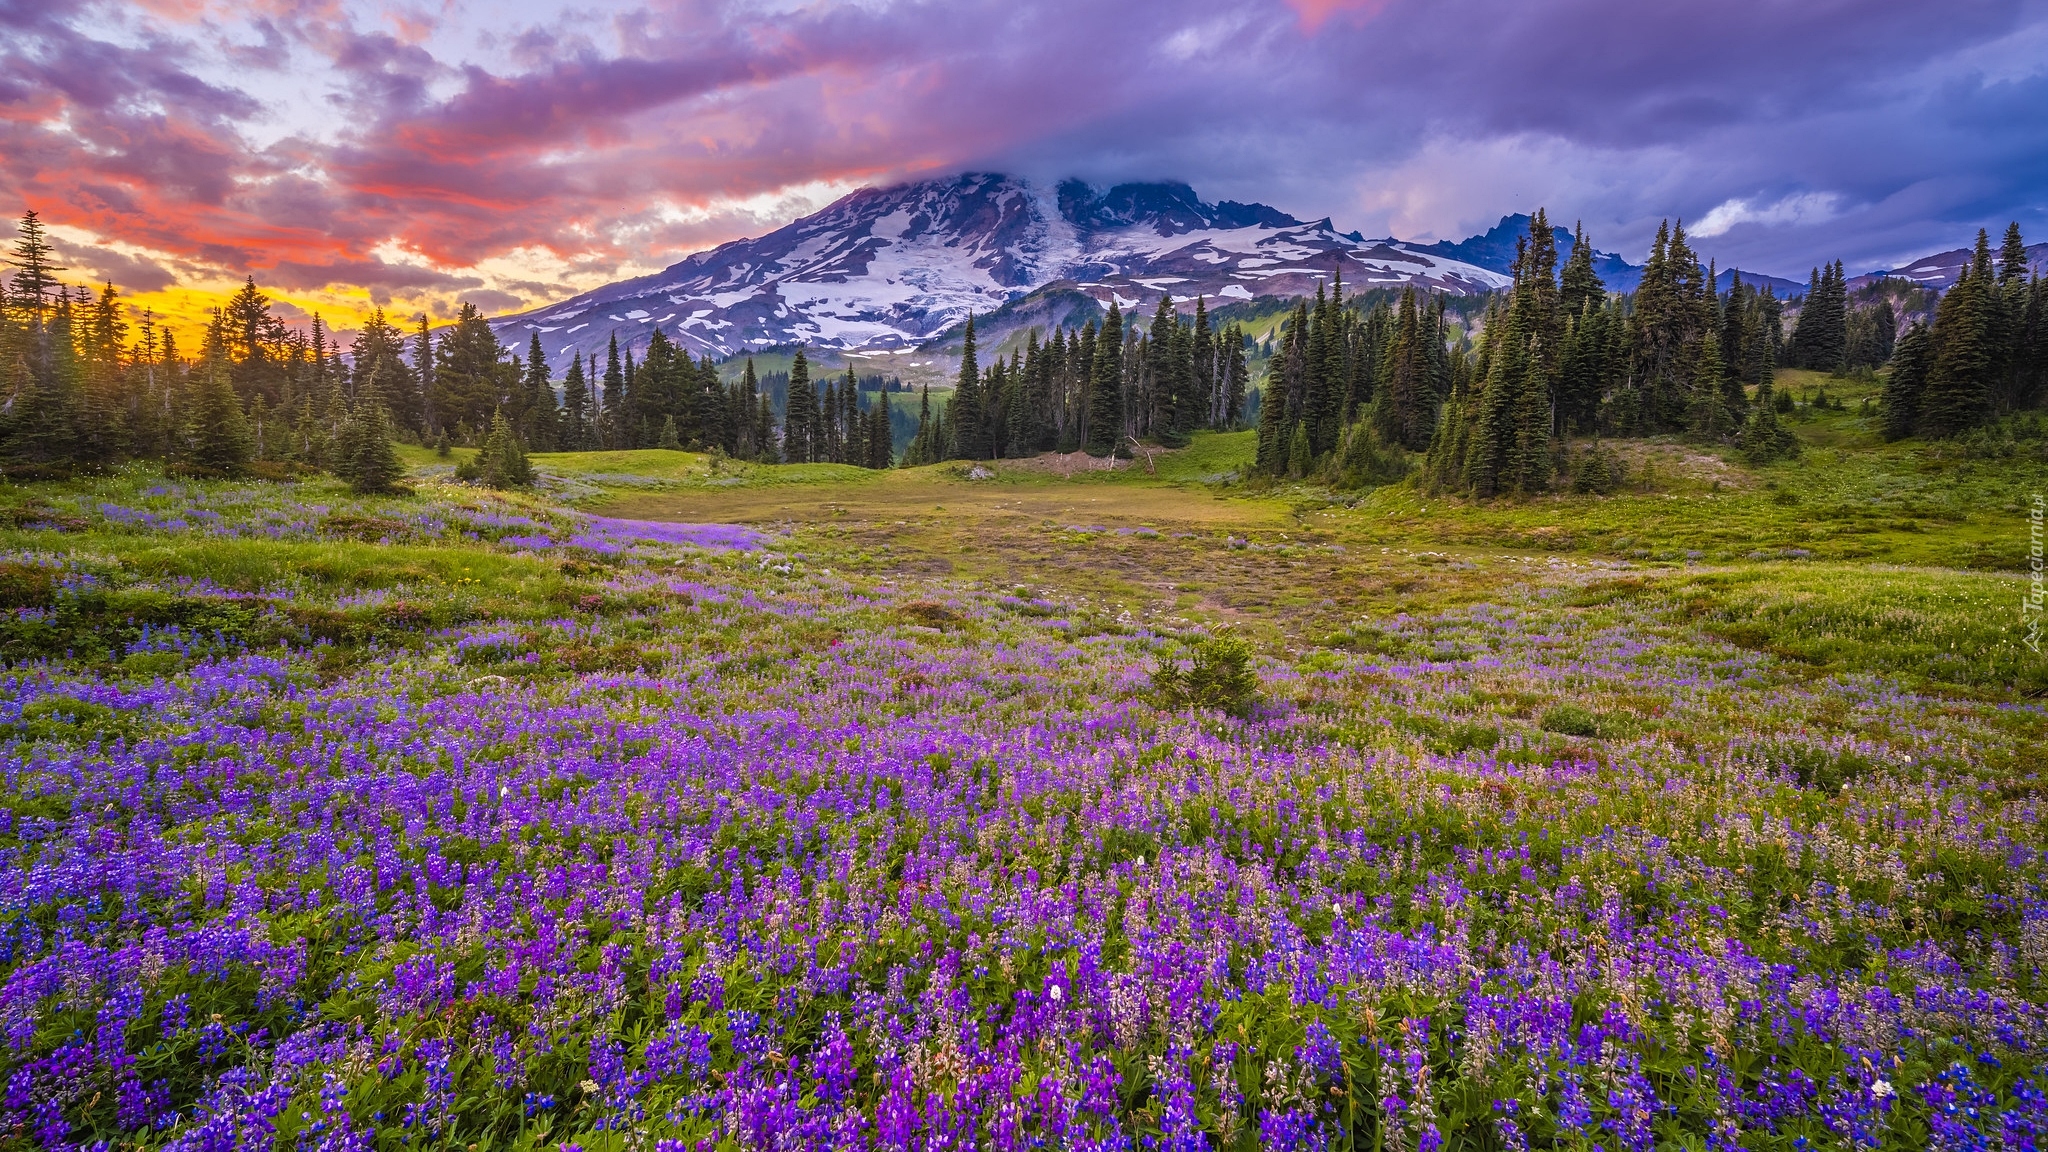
(1106, 387)
(576, 433)
(35, 273)
(1405, 406)
(368, 460)
(219, 433)
(799, 413)
(964, 412)
(1956, 397)
(1764, 438)
(501, 461)
(1820, 339)
(1708, 418)
(613, 400)
(1580, 286)
(472, 375)
(1899, 411)
(881, 440)
(423, 367)
(540, 416)
(1507, 429)
(922, 449)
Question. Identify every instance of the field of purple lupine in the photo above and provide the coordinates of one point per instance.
(450, 822)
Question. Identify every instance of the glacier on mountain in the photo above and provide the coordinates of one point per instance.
(893, 268)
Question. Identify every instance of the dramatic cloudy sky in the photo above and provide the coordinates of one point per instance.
(414, 154)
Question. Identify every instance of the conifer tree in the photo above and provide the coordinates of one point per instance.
(608, 417)
(1237, 379)
(1708, 418)
(1300, 453)
(1507, 429)
(2012, 257)
(501, 461)
(423, 367)
(1956, 397)
(1585, 365)
(219, 434)
(746, 440)
(540, 414)
(1490, 463)
(2017, 368)
(1020, 429)
(995, 399)
(575, 408)
(881, 446)
(370, 463)
(1671, 312)
(1580, 286)
(799, 412)
(2030, 346)
(763, 428)
(922, 450)
(379, 363)
(825, 436)
(1821, 337)
(1283, 399)
(1899, 412)
(1106, 387)
(853, 442)
(1321, 400)
(1870, 332)
(964, 412)
(1205, 386)
(34, 274)
(1764, 439)
(628, 419)
(1405, 408)
(103, 406)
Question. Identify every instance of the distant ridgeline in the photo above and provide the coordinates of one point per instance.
(1479, 389)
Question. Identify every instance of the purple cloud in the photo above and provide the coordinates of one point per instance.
(298, 140)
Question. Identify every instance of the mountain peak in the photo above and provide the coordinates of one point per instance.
(1495, 247)
(884, 270)
(1170, 206)
(1494, 250)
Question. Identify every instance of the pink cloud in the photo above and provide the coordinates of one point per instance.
(1314, 12)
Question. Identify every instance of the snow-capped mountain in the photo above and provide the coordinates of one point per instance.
(1941, 270)
(890, 268)
(900, 268)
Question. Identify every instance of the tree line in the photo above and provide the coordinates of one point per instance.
(84, 389)
(1353, 388)
(80, 393)
(1984, 355)
(1093, 388)
(1349, 392)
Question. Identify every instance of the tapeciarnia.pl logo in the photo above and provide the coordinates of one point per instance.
(2037, 579)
